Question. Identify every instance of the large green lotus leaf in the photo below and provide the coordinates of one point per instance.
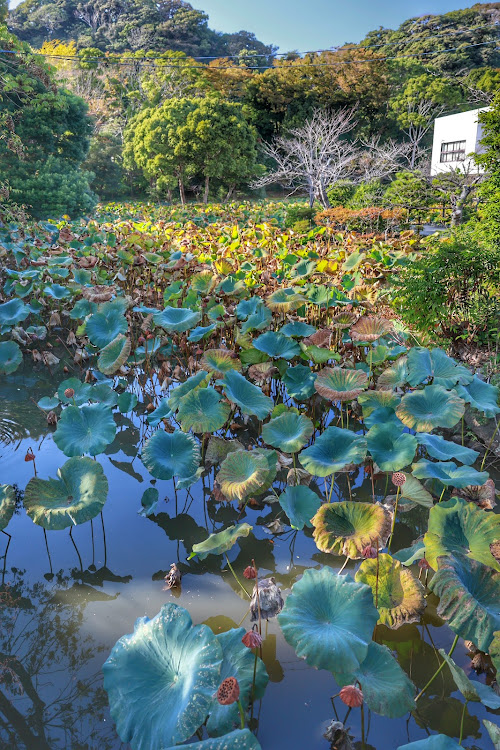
(77, 495)
(166, 455)
(10, 357)
(472, 690)
(435, 365)
(218, 448)
(114, 355)
(448, 473)
(348, 527)
(431, 407)
(337, 384)
(372, 400)
(202, 410)
(13, 312)
(387, 690)
(482, 396)
(127, 401)
(237, 661)
(7, 504)
(161, 679)
(289, 432)
(411, 554)
(248, 306)
(329, 620)
(391, 448)
(334, 449)
(201, 377)
(468, 593)
(271, 458)
(177, 319)
(247, 396)
(297, 328)
(85, 429)
(457, 527)
(445, 450)
(243, 473)
(400, 595)
(104, 326)
(82, 391)
(259, 320)
(434, 742)
(494, 651)
(494, 732)
(383, 415)
(300, 504)
(240, 739)
(162, 411)
(217, 544)
(284, 300)
(414, 491)
(201, 332)
(277, 346)
(219, 361)
(395, 376)
(299, 382)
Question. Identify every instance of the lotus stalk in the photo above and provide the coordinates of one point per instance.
(439, 669)
(236, 577)
(488, 447)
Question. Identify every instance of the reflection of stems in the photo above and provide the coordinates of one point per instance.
(104, 540)
(393, 519)
(236, 577)
(343, 566)
(76, 548)
(93, 548)
(48, 553)
(362, 726)
(489, 445)
(438, 670)
(242, 714)
(5, 556)
(462, 723)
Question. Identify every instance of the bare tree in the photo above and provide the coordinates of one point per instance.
(458, 184)
(421, 116)
(381, 159)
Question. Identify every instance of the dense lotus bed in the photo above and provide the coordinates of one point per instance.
(223, 462)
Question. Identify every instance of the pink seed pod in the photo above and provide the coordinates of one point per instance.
(351, 696)
(250, 572)
(398, 479)
(228, 692)
(252, 639)
(69, 393)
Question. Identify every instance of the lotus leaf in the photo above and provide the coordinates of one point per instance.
(202, 410)
(259, 320)
(329, 620)
(126, 402)
(193, 382)
(271, 458)
(318, 355)
(336, 384)
(104, 326)
(167, 455)
(371, 328)
(334, 449)
(7, 504)
(237, 661)
(459, 528)
(400, 595)
(409, 555)
(243, 473)
(162, 411)
(395, 376)
(300, 504)
(85, 429)
(248, 307)
(77, 495)
(201, 332)
(114, 355)
(218, 448)
(391, 448)
(482, 396)
(348, 527)
(297, 329)
(472, 690)
(149, 501)
(284, 300)
(276, 345)
(184, 484)
(177, 319)
(220, 361)
(448, 473)
(217, 544)
(386, 688)
(10, 357)
(436, 365)
(469, 593)
(445, 450)
(289, 432)
(160, 679)
(48, 402)
(415, 492)
(383, 415)
(343, 320)
(299, 382)
(431, 407)
(434, 742)
(372, 400)
(494, 732)
(240, 739)
(247, 396)
(495, 651)
(13, 312)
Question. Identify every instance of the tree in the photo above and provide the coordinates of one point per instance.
(411, 190)
(457, 187)
(488, 227)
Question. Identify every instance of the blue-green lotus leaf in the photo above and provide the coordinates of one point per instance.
(383, 415)
(240, 739)
(126, 402)
(216, 312)
(161, 679)
(346, 528)
(162, 411)
(167, 455)
(472, 690)
(243, 473)
(435, 742)
(178, 393)
(468, 593)
(415, 492)
(247, 396)
(482, 396)
(276, 345)
(104, 326)
(459, 528)
(334, 449)
(372, 400)
(140, 353)
(13, 312)
(103, 394)
(114, 355)
(409, 555)
(10, 357)
(318, 354)
(431, 407)
(48, 402)
(77, 495)
(202, 410)
(494, 732)
(386, 688)
(177, 319)
(82, 392)
(259, 320)
(7, 504)
(395, 376)
(185, 484)
(329, 619)
(436, 365)
(297, 328)
(445, 450)
(300, 504)
(299, 382)
(248, 307)
(391, 448)
(237, 661)
(57, 291)
(201, 332)
(448, 473)
(217, 544)
(82, 308)
(289, 432)
(149, 501)
(85, 429)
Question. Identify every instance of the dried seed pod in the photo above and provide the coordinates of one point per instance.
(398, 479)
(228, 692)
(351, 696)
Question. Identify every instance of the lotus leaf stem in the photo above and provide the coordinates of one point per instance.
(441, 495)
(242, 714)
(464, 709)
(438, 670)
(488, 447)
(362, 726)
(331, 488)
(236, 577)
(393, 519)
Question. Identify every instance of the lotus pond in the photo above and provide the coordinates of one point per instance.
(192, 413)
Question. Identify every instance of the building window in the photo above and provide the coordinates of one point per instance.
(454, 151)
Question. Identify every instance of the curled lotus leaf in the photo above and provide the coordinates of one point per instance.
(246, 395)
(300, 504)
(299, 382)
(468, 593)
(114, 355)
(13, 312)
(85, 429)
(11, 357)
(348, 527)
(493, 731)
(329, 620)
(482, 396)
(162, 411)
(259, 320)
(399, 595)
(482, 495)
(387, 690)
(149, 502)
(334, 449)
(448, 473)
(415, 492)
(107, 323)
(429, 408)
(201, 332)
(220, 361)
(284, 300)
(202, 410)
(217, 544)
(218, 448)
(372, 400)
(240, 739)
(337, 384)
(176, 319)
(391, 448)
(343, 319)
(395, 376)
(297, 328)
(243, 473)
(77, 495)
(371, 328)
(434, 742)
(277, 345)
(435, 364)
(7, 504)
(289, 432)
(445, 450)
(459, 528)
(166, 455)
(472, 690)
(160, 680)
(192, 382)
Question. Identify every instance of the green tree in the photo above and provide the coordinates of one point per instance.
(488, 228)
(411, 190)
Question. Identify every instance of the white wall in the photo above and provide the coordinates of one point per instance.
(463, 126)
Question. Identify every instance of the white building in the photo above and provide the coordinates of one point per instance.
(455, 138)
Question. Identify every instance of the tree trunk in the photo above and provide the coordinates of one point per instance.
(181, 191)
(229, 193)
(458, 204)
(20, 725)
(207, 187)
(323, 196)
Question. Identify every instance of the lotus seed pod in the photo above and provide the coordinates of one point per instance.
(228, 692)
(250, 572)
(252, 639)
(351, 696)
(398, 479)
(69, 393)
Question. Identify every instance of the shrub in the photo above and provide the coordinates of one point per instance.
(373, 218)
(298, 212)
